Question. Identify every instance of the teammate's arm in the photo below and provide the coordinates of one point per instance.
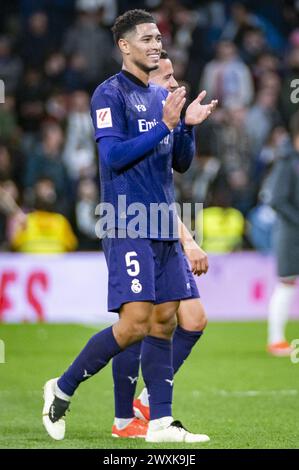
(184, 142)
(183, 148)
(197, 257)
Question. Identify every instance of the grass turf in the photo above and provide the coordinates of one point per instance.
(228, 388)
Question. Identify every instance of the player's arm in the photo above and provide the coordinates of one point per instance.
(183, 147)
(184, 141)
(116, 150)
(197, 257)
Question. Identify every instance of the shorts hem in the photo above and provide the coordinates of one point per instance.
(117, 308)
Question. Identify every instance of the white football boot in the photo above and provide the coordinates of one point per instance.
(175, 432)
(54, 411)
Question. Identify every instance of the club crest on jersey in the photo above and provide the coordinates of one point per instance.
(136, 287)
(104, 118)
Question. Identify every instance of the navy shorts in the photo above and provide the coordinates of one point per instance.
(141, 269)
(194, 294)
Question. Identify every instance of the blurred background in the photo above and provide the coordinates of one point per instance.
(53, 54)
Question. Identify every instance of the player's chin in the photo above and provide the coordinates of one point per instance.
(153, 66)
(153, 63)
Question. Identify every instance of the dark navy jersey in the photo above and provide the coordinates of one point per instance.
(123, 109)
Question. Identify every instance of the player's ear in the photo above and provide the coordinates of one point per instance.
(124, 46)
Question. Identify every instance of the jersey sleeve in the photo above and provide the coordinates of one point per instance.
(108, 114)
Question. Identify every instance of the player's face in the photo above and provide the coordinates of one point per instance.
(163, 76)
(144, 46)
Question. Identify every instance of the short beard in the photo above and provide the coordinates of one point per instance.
(145, 68)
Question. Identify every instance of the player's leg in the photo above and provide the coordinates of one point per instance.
(279, 310)
(156, 360)
(133, 325)
(125, 369)
(192, 320)
(156, 353)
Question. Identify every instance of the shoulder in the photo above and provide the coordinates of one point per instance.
(110, 88)
(158, 90)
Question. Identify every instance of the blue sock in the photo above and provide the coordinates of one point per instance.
(96, 354)
(182, 344)
(125, 368)
(157, 370)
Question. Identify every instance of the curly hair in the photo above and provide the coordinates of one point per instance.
(128, 21)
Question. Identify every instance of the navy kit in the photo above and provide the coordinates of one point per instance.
(137, 156)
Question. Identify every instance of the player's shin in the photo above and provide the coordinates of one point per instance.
(125, 369)
(96, 354)
(183, 343)
(157, 370)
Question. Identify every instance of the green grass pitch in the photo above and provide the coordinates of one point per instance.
(228, 388)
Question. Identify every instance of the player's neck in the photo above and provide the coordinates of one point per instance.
(137, 72)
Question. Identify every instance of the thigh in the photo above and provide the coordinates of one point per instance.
(171, 278)
(131, 271)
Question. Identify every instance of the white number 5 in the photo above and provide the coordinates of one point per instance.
(132, 264)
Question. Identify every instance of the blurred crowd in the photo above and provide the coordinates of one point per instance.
(53, 54)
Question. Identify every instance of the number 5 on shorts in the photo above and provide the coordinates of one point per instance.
(133, 266)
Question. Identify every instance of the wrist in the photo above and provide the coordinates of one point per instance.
(167, 124)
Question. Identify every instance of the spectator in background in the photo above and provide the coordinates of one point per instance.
(47, 160)
(31, 106)
(9, 130)
(11, 215)
(235, 153)
(46, 231)
(253, 45)
(227, 77)
(79, 151)
(86, 202)
(261, 118)
(10, 66)
(89, 40)
(37, 42)
(55, 66)
(221, 226)
(242, 18)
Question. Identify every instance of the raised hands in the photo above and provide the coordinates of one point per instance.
(173, 106)
(197, 112)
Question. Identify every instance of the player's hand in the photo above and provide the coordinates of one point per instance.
(173, 106)
(197, 112)
(197, 257)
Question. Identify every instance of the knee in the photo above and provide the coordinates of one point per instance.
(164, 325)
(193, 320)
(138, 331)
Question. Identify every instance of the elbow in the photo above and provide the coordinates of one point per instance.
(113, 161)
(181, 168)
